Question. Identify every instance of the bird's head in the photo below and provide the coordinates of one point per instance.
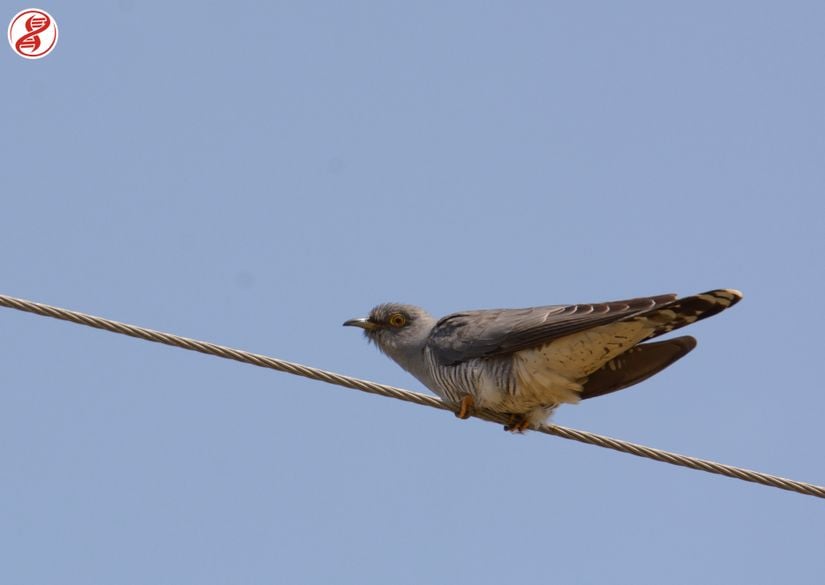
(395, 328)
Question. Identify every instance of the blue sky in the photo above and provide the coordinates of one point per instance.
(254, 174)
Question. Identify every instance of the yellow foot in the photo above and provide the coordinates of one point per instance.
(465, 407)
(518, 424)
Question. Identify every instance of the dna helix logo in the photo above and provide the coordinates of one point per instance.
(32, 33)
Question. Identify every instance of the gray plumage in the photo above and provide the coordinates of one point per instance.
(525, 362)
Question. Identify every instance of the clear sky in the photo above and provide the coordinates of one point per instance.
(254, 174)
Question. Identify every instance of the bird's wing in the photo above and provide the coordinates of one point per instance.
(636, 365)
(475, 334)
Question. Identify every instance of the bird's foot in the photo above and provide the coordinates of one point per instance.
(466, 407)
(518, 424)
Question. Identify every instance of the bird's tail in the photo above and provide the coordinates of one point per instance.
(680, 312)
(646, 359)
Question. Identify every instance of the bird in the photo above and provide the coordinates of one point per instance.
(523, 363)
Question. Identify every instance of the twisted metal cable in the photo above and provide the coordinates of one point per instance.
(406, 395)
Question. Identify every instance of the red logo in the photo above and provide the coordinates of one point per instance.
(32, 33)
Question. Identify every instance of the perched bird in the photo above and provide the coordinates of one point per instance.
(525, 362)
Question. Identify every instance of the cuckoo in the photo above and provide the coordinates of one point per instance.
(523, 363)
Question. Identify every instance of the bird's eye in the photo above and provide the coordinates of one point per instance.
(397, 320)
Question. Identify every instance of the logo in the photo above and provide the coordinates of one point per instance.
(32, 33)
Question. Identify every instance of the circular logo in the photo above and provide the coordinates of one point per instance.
(32, 33)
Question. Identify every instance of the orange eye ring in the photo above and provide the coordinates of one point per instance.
(397, 320)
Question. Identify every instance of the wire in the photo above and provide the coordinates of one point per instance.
(406, 395)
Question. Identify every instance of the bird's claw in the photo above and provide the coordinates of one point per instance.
(518, 424)
(465, 407)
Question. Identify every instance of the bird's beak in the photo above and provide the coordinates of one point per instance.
(362, 323)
